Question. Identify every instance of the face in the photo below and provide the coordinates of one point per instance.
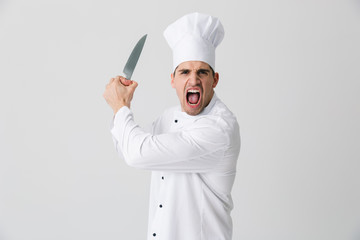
(194, 83)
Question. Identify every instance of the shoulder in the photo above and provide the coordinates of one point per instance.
(222, 115)
(221, 121)
(228, 122)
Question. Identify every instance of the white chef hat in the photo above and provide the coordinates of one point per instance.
(194, 37)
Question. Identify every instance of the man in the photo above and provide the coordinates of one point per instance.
(193, 148)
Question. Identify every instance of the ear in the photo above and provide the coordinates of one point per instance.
(172, 80)
(216, 80)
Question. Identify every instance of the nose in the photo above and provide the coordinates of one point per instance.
(193, 79)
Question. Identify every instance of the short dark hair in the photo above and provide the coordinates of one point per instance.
(212, 70)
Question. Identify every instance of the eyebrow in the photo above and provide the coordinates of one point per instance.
(187, 69)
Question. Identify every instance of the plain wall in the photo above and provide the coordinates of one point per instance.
(289, 70)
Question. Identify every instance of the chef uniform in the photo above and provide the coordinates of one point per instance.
(192, 158)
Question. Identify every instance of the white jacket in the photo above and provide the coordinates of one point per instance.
(193, 159)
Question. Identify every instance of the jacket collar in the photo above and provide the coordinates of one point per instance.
(205, 111)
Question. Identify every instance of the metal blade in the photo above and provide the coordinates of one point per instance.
(134, 57)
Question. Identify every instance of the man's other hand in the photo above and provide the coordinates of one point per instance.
(119, 92)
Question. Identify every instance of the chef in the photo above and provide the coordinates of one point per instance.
(193, 148)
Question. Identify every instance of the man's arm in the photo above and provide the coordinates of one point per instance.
(118, 93)
(199, 148)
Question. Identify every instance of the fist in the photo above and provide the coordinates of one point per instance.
(119, 92)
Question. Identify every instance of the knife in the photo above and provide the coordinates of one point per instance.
(134, 57)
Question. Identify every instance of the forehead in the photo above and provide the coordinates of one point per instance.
(193, 65)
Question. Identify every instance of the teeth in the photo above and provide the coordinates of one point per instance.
(193, 91)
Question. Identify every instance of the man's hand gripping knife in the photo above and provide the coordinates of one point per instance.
(119, 92)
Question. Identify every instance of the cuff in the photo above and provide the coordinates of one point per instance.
(118, 120)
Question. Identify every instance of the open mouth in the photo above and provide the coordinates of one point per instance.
(193, 97)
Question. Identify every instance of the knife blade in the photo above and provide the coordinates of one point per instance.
(134, 57)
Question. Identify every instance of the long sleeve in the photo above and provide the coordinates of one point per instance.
(199, 147)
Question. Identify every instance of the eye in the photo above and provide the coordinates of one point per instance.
(203, 72)
(184, 72)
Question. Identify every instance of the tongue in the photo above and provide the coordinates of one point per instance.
(193, 98)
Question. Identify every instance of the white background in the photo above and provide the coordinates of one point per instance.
(289, 70)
